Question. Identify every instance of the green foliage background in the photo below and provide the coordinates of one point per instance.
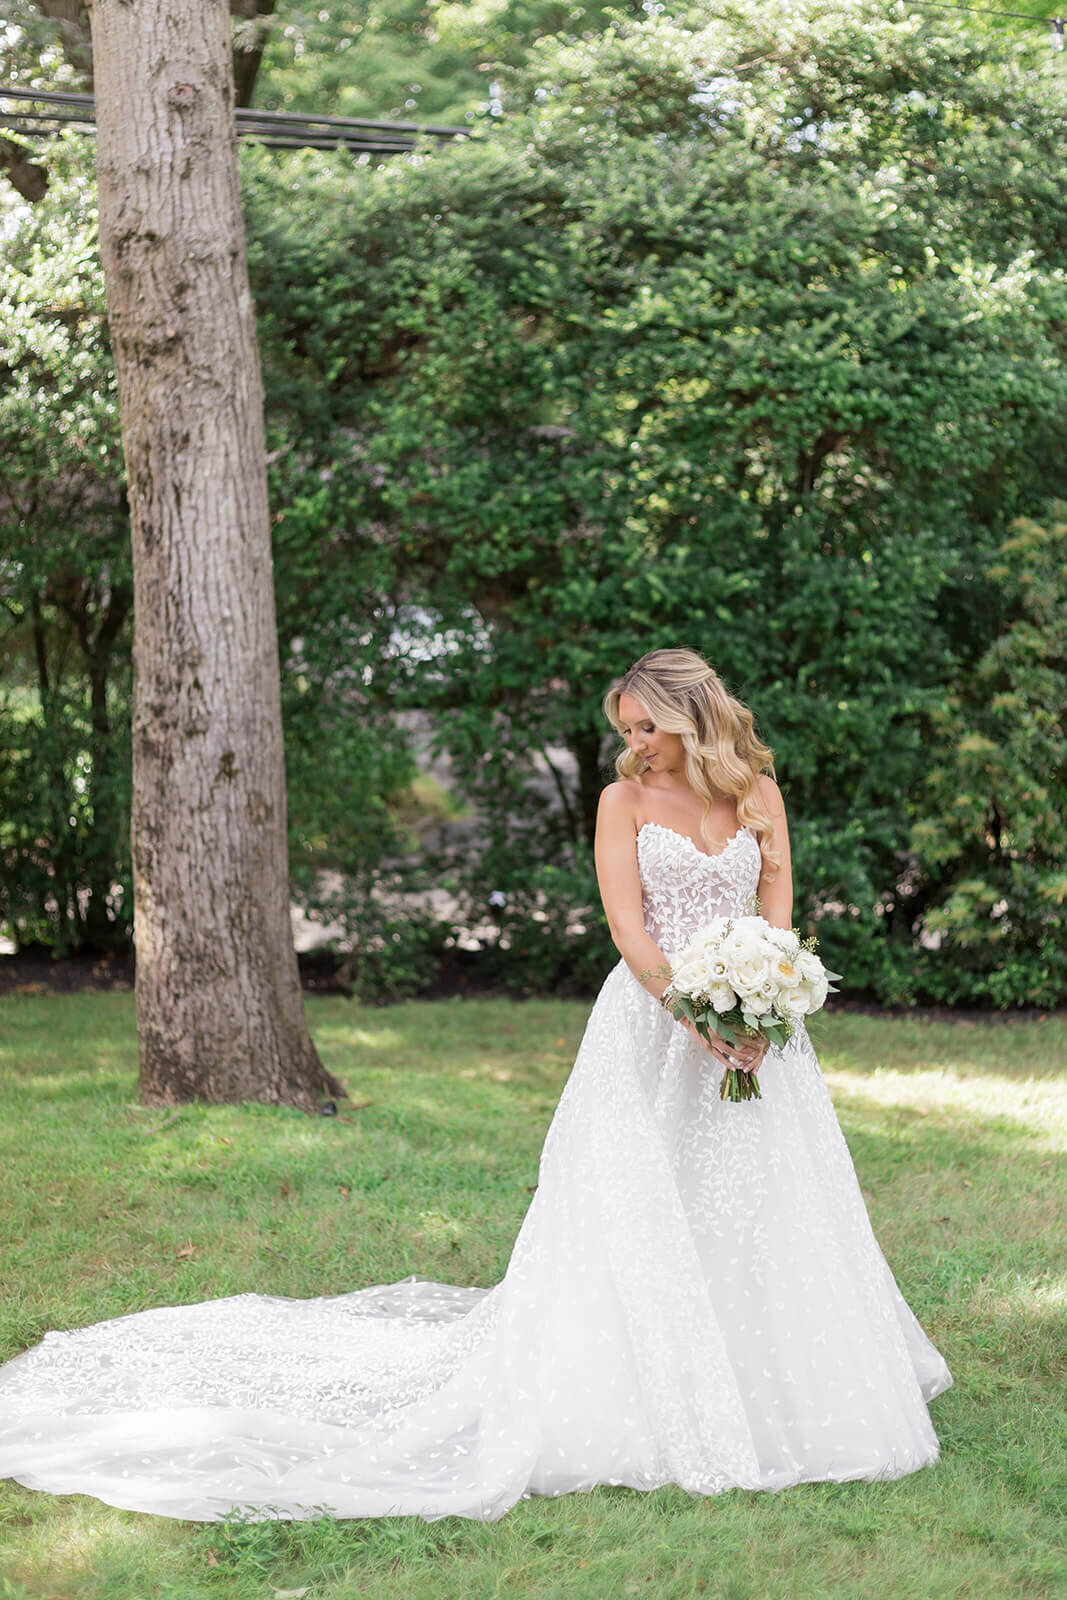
(748, 336)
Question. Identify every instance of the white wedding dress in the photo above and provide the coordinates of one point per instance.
(695, 1298)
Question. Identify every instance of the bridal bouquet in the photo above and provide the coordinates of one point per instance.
(741, 978)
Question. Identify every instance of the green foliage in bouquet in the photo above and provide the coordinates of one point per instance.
(742, 979)
(733, 1026)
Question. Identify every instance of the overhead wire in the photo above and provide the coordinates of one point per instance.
(981, 11)
(357, 134)
(278, 128)
(1055, 23)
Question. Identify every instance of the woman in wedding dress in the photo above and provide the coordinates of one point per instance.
(695, 1296)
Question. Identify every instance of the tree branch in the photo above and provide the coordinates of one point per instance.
(25, 175)
(561, 790)
(73, 19)
(248, 46)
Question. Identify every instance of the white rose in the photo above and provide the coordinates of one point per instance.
(689, 976)
(748, 973)
(706, 939)
(819, 991)
(761, 1002)
(722, 997)
(769, 992)
(749, 933)
(809, 966)
(796, 1003)
(743, 942)
(716, 966)
(785, 973)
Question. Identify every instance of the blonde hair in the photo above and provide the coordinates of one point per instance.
(723, 753)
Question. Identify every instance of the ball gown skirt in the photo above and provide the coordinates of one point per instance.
(695, 1297)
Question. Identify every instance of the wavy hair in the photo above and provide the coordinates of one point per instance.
(723, 753)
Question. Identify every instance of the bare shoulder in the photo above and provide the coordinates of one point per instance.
(769, 795)
(619, 802)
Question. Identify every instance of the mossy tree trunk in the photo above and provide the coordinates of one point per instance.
(219, 1008)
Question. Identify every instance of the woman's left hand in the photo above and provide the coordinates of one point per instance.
(750, 1052)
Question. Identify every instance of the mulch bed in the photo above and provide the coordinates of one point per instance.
(34, 971)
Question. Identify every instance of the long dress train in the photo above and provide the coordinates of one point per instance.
(695, 1297)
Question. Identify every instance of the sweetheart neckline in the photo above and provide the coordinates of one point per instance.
(708, 855)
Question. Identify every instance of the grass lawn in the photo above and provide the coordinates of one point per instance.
(957, 1131)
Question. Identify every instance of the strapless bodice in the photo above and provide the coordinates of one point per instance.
(683, 887)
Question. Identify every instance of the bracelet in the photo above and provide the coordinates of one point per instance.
(666, 998)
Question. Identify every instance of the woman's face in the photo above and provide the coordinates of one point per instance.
(664, 752)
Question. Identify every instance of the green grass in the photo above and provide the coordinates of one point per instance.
(106, 1207)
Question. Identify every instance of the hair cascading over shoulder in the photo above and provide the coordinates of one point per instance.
(723, 753)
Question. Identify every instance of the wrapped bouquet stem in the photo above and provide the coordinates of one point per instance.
(743, 979)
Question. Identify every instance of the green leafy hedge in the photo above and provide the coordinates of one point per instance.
(750, 338)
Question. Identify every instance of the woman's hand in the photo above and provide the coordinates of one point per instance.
(744, 1057)
(752, 1052)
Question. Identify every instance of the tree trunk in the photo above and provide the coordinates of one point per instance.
(249, 45)
(586, 744)
(98, 649)
(219, 1008)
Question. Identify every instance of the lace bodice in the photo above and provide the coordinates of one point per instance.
(684, 887)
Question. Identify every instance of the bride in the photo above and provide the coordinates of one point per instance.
(695, 1296)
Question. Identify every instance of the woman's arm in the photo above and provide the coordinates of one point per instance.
(776, 888)
(620, 888)
(620, 891)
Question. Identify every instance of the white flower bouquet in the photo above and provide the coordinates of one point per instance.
(741, 978)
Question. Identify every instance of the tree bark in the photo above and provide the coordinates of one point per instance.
(219, 1008)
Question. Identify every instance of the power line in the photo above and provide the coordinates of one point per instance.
(982, 11)
(1055, 23)
(43, 113)
(299, 130)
